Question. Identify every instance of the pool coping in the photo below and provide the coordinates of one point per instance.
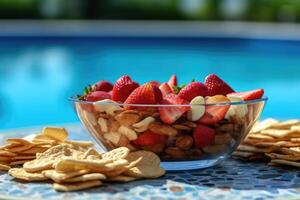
(141, 28)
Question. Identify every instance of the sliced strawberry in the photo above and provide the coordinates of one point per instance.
(103, 86)
(193, 90)
(169, 114)
(203, 136)
(165, 89)
(248, 95)
(145, 94)
(214, 113)
(155, 83)
(172, 81)
(122, 88)
(97, 96)
(150, 138)
(216, 85)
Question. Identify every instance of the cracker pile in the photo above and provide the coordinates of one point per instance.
(272, 140)
(74, 165)
(17, 151)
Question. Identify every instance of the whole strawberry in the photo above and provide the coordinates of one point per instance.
(216, 85)
(97, 96)
(172, 81)
(103, 86)
(193, 90)
(123, 88)
(145, 94)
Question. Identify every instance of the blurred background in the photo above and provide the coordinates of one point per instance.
(51, 49)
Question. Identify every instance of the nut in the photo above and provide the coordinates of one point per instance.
(123, 141)
(197, 109)
(215, 149)
(143, 125)
(190, 124)
(108, 106)
(184, 142)
(114, 137)
(113, 125)
(175, 152)
(162, 129)
(128, 117)
(90, 117)
(129, 133)
(222, 138)
(156, 148)
(181, 127)
(194, 153)
(226, 128)
(103, 124)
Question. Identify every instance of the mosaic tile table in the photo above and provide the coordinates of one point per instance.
(232, 180)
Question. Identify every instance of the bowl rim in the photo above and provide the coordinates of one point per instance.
(75, 99)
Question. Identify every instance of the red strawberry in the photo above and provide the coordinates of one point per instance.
(145, 94)
(155, 83)
(149, 138)
(169, 114)
(97, 96)
(248, 95)
(103, 86)
(215, 85)
(122, 88)
(214, 113)
(165, 89)
(192, 90)
(172, 81)
(203, 136)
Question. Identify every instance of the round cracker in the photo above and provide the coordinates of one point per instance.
(86, 177)
(76, 186)
(116, 154)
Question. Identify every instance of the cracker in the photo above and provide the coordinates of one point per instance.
(283, 156)
(285, 162)
(57, 133)
(70, 164)
(116, 154)
(30, 157)
(296, 128)
(86, 177)
(92, 152)
(4, 167)
(19, 141)
(7, 153)
(267, 123)
(76, 186)
(259, 136)
(18, 162)
(290, 151)
(85, 144)
(119, 171)
(286, 124)
(34, 150)
(17, 149)
(5, 159)
(280, 133)
(20, 173)
(61, 177)
(122, 178)
(148, 167)
(254, 149)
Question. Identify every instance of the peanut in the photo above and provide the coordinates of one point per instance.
(143, 125)
(222, 138)
(162, 129)
(156, 148)
(129, 133)
(175, 152)
(181, 127)
(113, 137)
(184, 142)
(128, 117)
(113, 125)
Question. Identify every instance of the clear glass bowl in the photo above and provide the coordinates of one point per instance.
(112, 126)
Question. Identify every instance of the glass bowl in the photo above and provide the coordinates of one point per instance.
(112, 126)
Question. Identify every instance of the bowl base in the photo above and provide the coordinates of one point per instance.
(190, 165)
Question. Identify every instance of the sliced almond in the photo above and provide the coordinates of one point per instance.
(129, 133)
(197, 109)
(103, 124)
(108, 106)
(114, 137)
(163, 129)
(144, 124)
(128, 117)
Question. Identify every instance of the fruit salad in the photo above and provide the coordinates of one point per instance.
(192, 121)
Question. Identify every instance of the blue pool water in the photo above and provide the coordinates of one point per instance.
(37, 75)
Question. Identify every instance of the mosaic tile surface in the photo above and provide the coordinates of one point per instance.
(232, 180)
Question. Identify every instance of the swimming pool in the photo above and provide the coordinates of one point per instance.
(38, 74)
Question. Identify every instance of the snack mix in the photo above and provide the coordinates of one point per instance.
(188, 122)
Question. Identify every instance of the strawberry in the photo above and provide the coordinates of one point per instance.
(155, 83)
(103, 86)
(214, 113)
(145, 94)
(203, 136)
(172, 81)
(122, 88)
(193, 90)
(169, 114)
(215, 85)
(165, 89)
(97, 96)
(248, 95)
(149, 138)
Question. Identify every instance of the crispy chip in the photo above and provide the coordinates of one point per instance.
(18, 162)
(61, 177)
(4, 167)
(116, 154)
(283, 156)
(20, 173)
(69, 164)
(34, 150)
(27, 157)
(86, 177)
(76, 186)
(7, 153)
(290, 151)
(267, 123)
(285, 162)
(286, 124)
(57, 133)
(280, 133)
(119, 171)
(85, 144)
(254, 149)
